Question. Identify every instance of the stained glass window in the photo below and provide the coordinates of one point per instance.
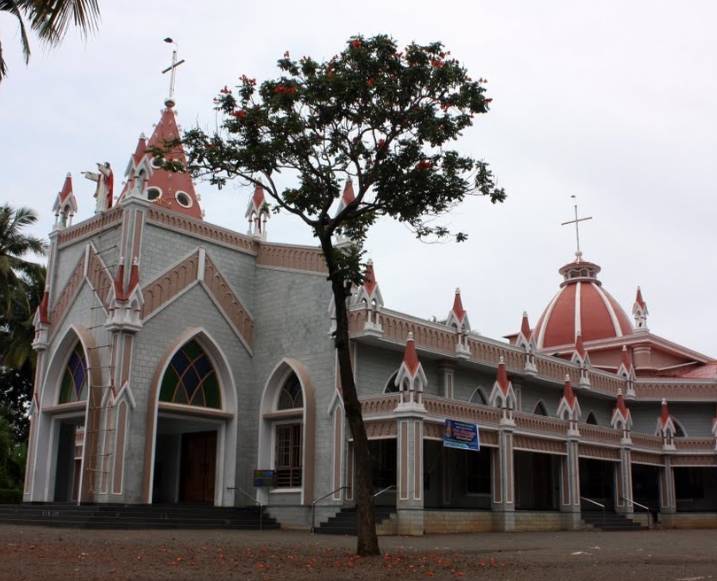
(74, 380)
(291, 397)
(190, 379)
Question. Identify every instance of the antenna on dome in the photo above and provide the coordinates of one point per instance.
(576, 221)
(172, 70)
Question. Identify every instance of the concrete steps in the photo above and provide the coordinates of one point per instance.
(610, 521)
(118, 516)
(344, 522)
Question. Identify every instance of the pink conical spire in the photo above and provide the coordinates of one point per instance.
(369, 278)
(458, 310)
(620, 404)
(348, 196)
(664, 412)
(580, 346)
(525, 326)
(639, 300)
(410, 356)
(502, 376)
(66, 190)
(568, 392)
(178, 193)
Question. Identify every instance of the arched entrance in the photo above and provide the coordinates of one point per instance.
(193, 434)
(64, 469)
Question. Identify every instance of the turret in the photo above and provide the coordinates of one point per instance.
(65, 206)
(257, 212)
(640, 312)
(503, 395)
(411, 379)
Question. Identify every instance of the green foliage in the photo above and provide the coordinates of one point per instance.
(50, 19)
(22, 284)
(374, 114)
(12, 462)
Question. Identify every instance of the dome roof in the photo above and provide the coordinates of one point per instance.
(581, 307)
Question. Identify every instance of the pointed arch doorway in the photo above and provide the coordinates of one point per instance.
(195, 426)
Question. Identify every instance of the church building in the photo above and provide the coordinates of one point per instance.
(182, 362)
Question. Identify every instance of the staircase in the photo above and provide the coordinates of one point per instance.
(610, 521)
(135, 516)
(344, 522)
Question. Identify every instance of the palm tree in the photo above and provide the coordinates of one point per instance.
(16, 272)
(49, 19)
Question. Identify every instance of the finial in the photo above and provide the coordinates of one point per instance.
(169, 101)
(576, 221)
(410, 336)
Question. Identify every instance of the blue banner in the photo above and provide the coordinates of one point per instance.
(461, 435)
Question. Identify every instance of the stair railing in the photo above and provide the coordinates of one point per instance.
(595, 503)
(255, 501)
(643, 507)
(313, 506)
(392, 486)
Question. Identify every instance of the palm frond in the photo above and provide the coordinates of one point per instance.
(52, 18)
(15, 9)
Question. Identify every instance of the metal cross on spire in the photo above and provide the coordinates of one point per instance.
(576, 221)
(171, 69)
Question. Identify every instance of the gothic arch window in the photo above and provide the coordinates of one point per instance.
(190, 379)
(591, 419)
(540, 410)
(478, 397)
(288, 435)
(391, 386)
(290, 396)
(75, 382)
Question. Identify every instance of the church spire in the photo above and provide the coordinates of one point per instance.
(640, 312)
(257, 212)
(65, 206)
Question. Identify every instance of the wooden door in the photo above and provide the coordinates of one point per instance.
(198, 468)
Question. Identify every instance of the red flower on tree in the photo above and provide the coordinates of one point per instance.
(423, 165)
(356, 43)
(370, 82)
(241, 114)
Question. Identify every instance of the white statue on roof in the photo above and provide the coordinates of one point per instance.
(105, 183)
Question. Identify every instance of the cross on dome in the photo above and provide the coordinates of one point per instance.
(576, 221)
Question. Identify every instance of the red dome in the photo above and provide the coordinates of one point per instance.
(581, 307)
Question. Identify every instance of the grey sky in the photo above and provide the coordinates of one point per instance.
(611, 101)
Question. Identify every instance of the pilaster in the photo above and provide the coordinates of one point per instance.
(570, 484)
(409, 499)
(623, 484)
(668, 500)
(503, 489)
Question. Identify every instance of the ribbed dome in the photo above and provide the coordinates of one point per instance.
(581, 307)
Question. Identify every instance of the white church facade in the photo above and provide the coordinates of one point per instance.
(175, 358)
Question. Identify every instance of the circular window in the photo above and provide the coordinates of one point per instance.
(154, 194)
(183, 199)
(156, 164)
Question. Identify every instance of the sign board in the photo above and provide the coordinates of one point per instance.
(461, 435)
(263, 478)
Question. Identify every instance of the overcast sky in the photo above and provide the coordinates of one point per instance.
(612, 101)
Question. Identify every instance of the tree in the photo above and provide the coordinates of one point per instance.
(50, 19)
(22, 284)
(376, 115)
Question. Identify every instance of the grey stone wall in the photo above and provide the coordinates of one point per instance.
(162, 248)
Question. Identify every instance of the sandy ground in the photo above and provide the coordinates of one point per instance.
(46, 553)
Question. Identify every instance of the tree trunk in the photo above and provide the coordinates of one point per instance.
(366, 539)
